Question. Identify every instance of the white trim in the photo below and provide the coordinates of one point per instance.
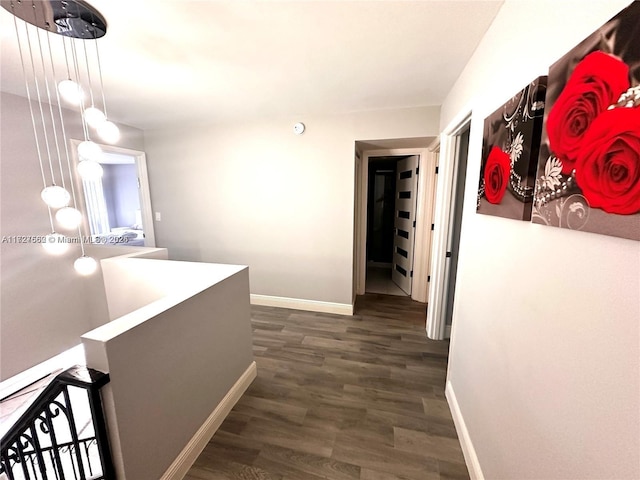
(183, 462)
(356, 226)
(424, 218)
(360, 220)
(469, 452)
(442, 212)
(302, 304)
(145, 201)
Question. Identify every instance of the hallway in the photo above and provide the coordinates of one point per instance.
(340, 397)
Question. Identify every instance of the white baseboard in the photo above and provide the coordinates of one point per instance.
(469, 452)
(301, 304)
(181, 465)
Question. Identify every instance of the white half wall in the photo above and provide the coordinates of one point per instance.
(256, 194)
(172, 362)
(546, 329)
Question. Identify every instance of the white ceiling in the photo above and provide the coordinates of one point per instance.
(168, 63)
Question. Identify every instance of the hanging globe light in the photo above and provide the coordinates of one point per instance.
(108, 131)
(90, 170)
(71, 92)
(85, 265)
(68, 217)
(55, 196)
(89, 150)
(55, 244)
(94, 116)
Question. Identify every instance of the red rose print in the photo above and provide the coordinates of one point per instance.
(596, 82)
(608, 165)
(496, 175)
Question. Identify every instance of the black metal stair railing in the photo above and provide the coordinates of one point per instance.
(63, 434)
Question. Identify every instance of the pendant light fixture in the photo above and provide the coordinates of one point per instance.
(72, 29)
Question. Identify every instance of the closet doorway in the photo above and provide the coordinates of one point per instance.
(393, 209)
(391, 213)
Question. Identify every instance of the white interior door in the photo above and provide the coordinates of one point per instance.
(405, 222)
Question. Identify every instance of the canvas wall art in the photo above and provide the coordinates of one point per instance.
(511, 143)
(588, 175)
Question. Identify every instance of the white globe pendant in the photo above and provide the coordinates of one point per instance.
(68, 217)
(55, 196)
(94, 116)
(89, 150)
(90, 170)
(55, 244)
(71, 92)
(85, 265)
(108, 131)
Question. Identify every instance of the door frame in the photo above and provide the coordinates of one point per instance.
(143, 183)
(436, 323)
(424, 216)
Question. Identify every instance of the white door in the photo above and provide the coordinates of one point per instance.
(405, 217)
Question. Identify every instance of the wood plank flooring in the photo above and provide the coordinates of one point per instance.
(340, 397)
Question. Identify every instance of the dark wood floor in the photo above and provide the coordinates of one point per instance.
(340, 397)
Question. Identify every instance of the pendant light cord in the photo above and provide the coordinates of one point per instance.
(53, 120)
(104, 102)
(35, 80)
(33, 117)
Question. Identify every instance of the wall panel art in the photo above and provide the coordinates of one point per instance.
(510, 147)
(588, 175)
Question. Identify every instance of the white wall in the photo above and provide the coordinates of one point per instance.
(258, 195)
(545, 343)
(43, 306)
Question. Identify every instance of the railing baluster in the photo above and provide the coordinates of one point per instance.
(86, 446)
(37, 448)
(102, 437)
(53, 463)
(7, 467)
(22, 461)
(74, 435)
(54, 444)
(33, 467)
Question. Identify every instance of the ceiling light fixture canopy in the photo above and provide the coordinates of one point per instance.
(71, 18)
(77, 25)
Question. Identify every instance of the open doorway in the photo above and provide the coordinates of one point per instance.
(391, 212)
(118, 204)
(376, 210)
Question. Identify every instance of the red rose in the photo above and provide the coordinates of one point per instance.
(608, 165)
(596, 82)
(496, 175)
